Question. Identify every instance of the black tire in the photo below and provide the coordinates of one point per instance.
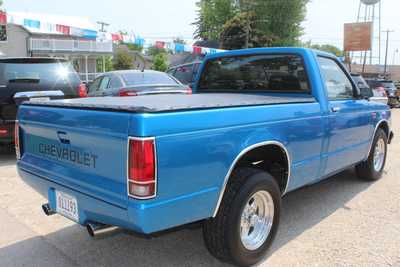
(222, 233)
(366, 170)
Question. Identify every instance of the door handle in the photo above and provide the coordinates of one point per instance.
(335, 109)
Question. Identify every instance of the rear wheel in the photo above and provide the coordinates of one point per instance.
(372, 168)
(247, 220)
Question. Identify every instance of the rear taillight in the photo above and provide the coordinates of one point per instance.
(16, 140)
(142, 168)
(82, 90)
(189, 91)
(3, 132)
(125, 92)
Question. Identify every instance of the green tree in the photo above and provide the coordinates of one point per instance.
(278, 20)
(153, 51)
(108, 62)
(328, 48)
(123, 61)
(135, 47)
(242, 32)
(211, 17)
(160, 62)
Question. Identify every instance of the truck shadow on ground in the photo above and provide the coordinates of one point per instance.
(7, 155)
(302, 210)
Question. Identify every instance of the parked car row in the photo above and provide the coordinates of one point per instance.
(40, 79)
(379, 90)
(389, 87)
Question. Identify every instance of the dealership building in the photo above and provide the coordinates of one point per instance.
(72, 38)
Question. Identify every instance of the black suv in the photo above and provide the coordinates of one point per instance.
(33, 75)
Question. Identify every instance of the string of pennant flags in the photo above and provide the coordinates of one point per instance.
(39, 26)
(172, 46)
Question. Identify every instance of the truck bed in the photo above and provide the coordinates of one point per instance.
(166, 103)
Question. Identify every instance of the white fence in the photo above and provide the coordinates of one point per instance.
(56, 45)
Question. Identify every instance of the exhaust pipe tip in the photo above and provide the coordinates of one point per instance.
(90, 229)
(47, 209)
(95, 229)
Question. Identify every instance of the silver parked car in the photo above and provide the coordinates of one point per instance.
(135, 83)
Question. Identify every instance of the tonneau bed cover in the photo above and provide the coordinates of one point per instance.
(165, 103)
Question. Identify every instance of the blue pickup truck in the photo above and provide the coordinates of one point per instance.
(260, 124)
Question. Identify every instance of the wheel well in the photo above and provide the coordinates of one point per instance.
(271, 158)
(385, 127)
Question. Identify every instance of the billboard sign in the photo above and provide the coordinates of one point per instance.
(358, 36)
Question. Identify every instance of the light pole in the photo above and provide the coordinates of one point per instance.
(387, 50)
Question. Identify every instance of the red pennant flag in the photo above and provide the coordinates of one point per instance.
(63, 29)
(116, 37)
(196, 50)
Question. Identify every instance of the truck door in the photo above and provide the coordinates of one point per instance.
(349, 118)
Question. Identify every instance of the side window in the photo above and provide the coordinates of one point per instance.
(95, 85)
(115, 83)
(337, 83)
(104, 83)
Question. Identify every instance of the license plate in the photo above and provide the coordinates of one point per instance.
(67, 206)
(39, 99)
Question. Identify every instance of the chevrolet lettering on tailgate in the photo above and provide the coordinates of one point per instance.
(66, 154)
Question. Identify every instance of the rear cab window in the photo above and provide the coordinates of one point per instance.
(281, 73)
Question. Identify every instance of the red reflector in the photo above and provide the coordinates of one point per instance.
(16, 140)
(124, 92)
(3, 132)
(142, 168)
(82, 90)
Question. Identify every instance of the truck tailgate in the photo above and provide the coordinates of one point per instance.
(80, 149)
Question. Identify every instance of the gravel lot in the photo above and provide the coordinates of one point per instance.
(338, 222)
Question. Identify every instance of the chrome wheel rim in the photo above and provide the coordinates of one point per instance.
(256, 220)
(379, 155)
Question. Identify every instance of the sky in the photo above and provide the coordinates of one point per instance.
(169, 18)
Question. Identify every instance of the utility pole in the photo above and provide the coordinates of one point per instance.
(103, 25)
(387, 50)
